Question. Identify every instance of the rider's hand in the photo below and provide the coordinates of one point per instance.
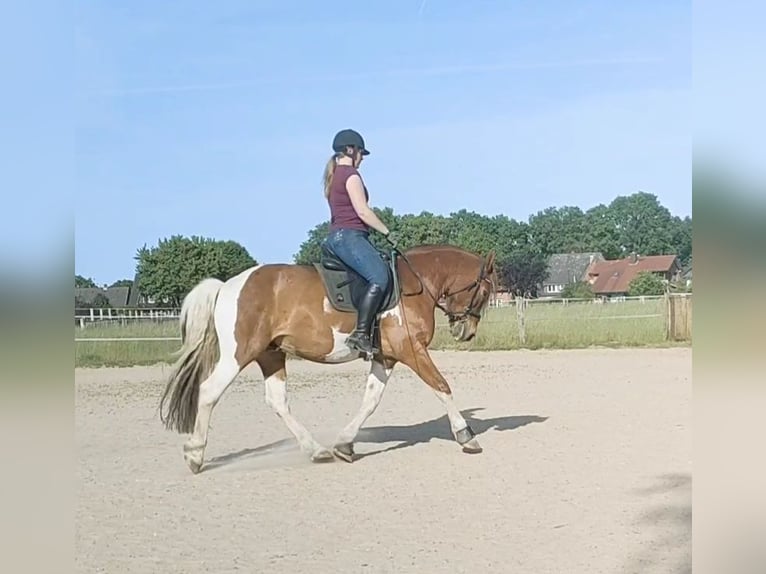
(391, 238)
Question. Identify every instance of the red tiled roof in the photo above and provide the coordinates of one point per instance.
(615, 276)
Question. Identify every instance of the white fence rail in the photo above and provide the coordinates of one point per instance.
(121, 339)
(122, 317)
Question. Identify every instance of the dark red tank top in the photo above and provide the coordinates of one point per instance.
(342, 212)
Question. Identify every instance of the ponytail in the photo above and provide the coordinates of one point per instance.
(329, 171)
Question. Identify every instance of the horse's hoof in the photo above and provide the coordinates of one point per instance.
(467, 439)
(322, 455)
(472, 447)
(193, 457)
(344, 452)
(194, 465)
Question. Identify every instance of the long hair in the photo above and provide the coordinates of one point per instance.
(197, 357)
(329, 171)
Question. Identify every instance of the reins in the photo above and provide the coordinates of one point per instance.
(452, 316)
(469, 310)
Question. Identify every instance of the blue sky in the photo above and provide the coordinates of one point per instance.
(216, 119)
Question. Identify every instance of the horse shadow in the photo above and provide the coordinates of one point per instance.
(438, 428)
(277, 451)
(404, 435)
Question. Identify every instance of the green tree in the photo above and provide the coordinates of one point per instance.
(225, 259)
(168, 271)
(681, 238)
(577, 290)
(472, 231)
(523, 271)
(642, 224)
(310, 250)
(559, 230)
(122, 283)
(602, 232)
(509, 236)
(423, 229)
(81, 282)
(387, 216)
(646, 283)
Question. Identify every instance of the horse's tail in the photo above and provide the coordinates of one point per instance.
(196, 359)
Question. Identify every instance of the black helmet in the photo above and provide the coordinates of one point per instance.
(348, 138)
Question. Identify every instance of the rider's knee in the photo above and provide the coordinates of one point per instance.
(382, 281)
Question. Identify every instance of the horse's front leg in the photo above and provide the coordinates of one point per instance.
(376, 384)
(420, 361)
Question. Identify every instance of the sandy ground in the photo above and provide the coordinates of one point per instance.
(586, 468)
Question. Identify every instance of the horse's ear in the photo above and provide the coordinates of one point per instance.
(489, 264)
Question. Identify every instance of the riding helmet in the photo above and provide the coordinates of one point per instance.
(349, 137)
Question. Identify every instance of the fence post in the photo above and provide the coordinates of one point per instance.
(520, 304)
(668, 317)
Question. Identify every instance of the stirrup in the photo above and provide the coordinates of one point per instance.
(362, 343)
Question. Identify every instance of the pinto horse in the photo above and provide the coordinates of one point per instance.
(269, 311)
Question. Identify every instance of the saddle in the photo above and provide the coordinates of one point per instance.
(345, 287)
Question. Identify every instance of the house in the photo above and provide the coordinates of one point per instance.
(565, 268)
(117, 296)
(501, 298)
(135, 299)
(612, 278)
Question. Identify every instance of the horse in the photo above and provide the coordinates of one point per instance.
(270, 311)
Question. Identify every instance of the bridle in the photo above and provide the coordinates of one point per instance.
(469, 310)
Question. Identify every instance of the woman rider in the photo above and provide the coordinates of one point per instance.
(350, 221)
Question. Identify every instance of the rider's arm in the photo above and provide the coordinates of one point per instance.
(359, 201)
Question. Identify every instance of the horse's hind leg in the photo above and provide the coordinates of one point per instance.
(376, 383)
(210, 392)
(272, 364)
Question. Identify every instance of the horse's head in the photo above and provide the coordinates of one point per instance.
(465, 300)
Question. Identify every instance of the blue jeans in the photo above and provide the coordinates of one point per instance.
(353, 247)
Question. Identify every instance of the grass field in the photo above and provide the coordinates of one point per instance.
(126, 353)
(546, 325)
(574, 325)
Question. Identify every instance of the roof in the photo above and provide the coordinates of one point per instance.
(615, 276)
(117, 296)
(565, 268)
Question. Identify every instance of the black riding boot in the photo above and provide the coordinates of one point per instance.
(361, 338)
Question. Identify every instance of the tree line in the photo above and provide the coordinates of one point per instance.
(165, 273)
(636, 223)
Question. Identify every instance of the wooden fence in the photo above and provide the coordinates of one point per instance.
(678, 321)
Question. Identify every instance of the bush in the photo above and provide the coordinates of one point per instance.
(577, 290)
(646, 283)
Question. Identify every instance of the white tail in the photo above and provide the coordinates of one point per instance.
(197, 356)
(197, 310)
